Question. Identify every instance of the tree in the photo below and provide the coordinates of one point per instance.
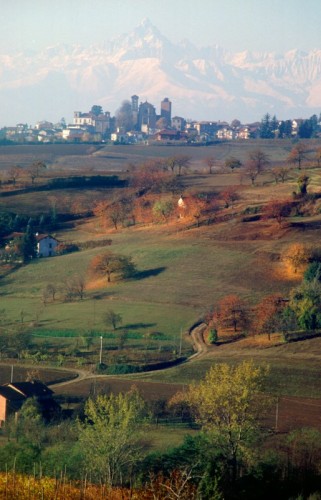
(226, 405)
(124, 116)
(280, 173)
(116, 212)
(74, 287)
(305, 301)
(35, 170)
(285, 129)
(313, 271)
(14, 173)
(267, 129)
(303, 181)
(28, 244)
(193, 207)
(109, 264)
(152, 176)
(277, 210)
(96, 110)
(251, 171)
(210, 163)
(297, 255)
(178, 162)
(112, 318)
(109, 437)
(229, 195)
(232, 163)
(298, 154)
(259, 160)
(163, 209)
(268, 314)
(49, 292)
(232, 312)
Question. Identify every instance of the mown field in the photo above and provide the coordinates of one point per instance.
(182, 271)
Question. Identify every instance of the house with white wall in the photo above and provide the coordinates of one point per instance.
(46, 245)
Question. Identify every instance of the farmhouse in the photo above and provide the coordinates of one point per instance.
(13, 395)
(46, 245)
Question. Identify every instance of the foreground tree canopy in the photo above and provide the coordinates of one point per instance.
(109, 437)
(227, 406)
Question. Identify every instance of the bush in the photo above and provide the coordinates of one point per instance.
(122, 369)
(212, 336)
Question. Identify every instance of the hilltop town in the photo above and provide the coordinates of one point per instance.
(138, 122)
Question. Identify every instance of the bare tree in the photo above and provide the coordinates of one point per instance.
(35, 170)
(14, 173)
(259, 159)
(251, 171)
(112, 318)
(298, 154)
(210, 162)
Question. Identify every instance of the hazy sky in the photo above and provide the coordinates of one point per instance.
(277, 25)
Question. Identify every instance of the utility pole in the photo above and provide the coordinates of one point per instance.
(101, 350)
(277, 415)
(180, 343)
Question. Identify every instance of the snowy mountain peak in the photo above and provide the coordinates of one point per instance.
(202, 82)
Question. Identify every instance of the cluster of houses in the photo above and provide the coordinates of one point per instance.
(139, 123)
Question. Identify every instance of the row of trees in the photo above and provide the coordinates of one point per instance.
(271, 128)
(275, 313)
(34, 171)
(230, 457)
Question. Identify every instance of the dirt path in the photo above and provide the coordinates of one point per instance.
(198, 343)
(200, 347)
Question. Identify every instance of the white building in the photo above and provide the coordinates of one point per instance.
(46, 245)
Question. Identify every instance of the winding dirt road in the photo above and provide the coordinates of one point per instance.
(196, 333)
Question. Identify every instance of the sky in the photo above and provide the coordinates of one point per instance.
(264, 25)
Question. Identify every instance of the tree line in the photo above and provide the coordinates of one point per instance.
(233, 454)
(298, 312)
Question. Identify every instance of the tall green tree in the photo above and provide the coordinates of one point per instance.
(227, 406)
(110, 436)
(305, 301)
(28, 246)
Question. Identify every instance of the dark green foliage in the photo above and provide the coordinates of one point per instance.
(212, 337)
(122, 369)
(111, 318)
(313, 272)
(28, 246)
(85, 182)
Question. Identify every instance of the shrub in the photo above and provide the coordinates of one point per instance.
(212, 336)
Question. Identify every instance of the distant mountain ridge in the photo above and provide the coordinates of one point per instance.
(202, 83)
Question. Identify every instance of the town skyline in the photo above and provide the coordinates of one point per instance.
(208, 82)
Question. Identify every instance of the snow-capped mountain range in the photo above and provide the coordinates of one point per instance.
(207, 83)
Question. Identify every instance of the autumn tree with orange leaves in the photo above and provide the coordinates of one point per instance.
(277, 210)
(298, 154)
(230, 195)
(232, 312)
(114, 212)
(268, 314)
(297, 256)
(109, 264)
